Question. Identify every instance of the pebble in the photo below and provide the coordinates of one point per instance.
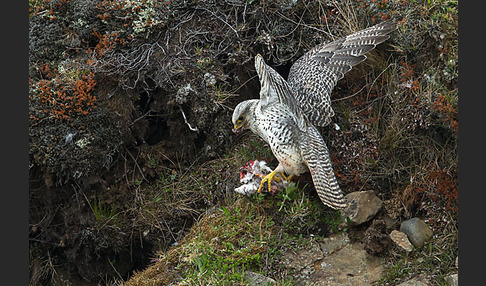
(401, 240)
(452, 280)
(254, 278)
(417, 230)
(416, 281)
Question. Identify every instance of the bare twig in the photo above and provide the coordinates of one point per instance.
(302, 24)
(136, 165)
(185, 120)
(219, 18)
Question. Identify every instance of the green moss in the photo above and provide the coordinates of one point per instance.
(300, 212)
(226, 243)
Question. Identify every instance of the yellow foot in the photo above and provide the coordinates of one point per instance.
(277, 179)
(268, 178)
(271, 177)
(286, 178)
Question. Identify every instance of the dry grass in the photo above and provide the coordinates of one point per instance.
(41, 270)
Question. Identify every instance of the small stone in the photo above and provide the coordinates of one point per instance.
(254, 278)
(362, 206)
(452, 280)
(417, 231)
(333, 260)
(401, 239)
(343, 263)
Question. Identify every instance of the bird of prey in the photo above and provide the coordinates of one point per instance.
(288, 111)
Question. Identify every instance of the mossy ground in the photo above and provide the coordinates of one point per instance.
(245, 233)
(242, 234)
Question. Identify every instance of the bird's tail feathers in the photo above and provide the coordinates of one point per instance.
(316, 156)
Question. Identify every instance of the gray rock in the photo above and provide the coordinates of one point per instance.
(254, 278)
(299, 259)
(333, 260)
(362, 206)
(333, 243)
(351, 265)
(417, 231)
(452, 280)
(416, 281)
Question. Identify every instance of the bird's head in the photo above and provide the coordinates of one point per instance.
(243, 115)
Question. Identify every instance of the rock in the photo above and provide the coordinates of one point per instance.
(350, 265)
(302, 258)
(452, 280)
(416, 281)
(362, 206)
(300, 262)
(401, 239)
(376, 239)
(333, 260)
(417, 231)
(333, 243)
(254, 278)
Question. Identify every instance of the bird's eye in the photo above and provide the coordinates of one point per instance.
(241, 118)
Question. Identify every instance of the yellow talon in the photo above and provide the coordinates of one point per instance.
(271, 177)
(286, 178)
(268, 178)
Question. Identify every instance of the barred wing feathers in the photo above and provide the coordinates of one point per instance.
(314, 75)
(275, 89)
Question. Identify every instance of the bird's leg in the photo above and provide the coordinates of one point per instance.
(268, 178)
(263, 176)
(286, 178)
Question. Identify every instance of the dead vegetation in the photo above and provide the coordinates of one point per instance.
(131, 144)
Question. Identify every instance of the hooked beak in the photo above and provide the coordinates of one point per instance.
(237, 129)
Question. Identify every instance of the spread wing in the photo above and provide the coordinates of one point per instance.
(275, 89)
(314, 75)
